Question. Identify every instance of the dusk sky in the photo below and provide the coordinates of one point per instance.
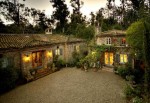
(89, 5)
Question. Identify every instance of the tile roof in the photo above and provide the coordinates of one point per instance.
(112, 33)
(24, 40)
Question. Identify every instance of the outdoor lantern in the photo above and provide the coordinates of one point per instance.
(26, 58)
(49, 53)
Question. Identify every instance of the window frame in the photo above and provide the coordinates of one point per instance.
(108, 41)
(38, 59)
(123, 58)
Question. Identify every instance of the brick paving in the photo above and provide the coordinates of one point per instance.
(70, 85)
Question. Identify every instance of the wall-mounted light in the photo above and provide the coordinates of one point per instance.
(49, 53)
(26, 57)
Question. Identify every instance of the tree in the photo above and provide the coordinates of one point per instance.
(76, 17)
(60, 14)
(135, 36)
(14, 11)
(92, 21)
(82, 31)
(99, 19)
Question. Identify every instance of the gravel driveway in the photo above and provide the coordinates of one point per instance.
(70, 85)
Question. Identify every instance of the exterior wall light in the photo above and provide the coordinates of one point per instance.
(26, 58)
(49, 53)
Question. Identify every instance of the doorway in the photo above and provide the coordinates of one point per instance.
(109, 58)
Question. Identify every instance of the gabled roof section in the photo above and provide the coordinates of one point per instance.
(112, 33)
(31, 40)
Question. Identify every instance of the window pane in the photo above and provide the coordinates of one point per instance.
(106, 58)
(121, 58)
(125, 58)
(111, 58)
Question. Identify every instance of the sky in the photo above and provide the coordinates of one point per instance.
(88, 7)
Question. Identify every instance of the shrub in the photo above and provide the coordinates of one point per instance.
(76, 59)
(123, 71)
(50, 65)
(60, 64)
(137, 100)
(139, 90)
(78, 65)
(129, 92)
(8, 78)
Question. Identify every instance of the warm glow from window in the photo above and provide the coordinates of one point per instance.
(123, 58)
(109, 58)
(57, 51)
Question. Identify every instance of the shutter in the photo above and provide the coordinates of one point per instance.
(117, 58)
(129, 58)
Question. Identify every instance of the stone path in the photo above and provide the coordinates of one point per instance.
(70, 85)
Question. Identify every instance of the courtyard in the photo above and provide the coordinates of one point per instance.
(70, 85)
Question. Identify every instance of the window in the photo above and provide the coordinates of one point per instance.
(59, 51)
(123, 58)
(76, 48)
(3, 61)
(123, 41)
(108, 41)
(37, 59)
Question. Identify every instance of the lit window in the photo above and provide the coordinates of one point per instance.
(59, 51)
(37, 59)
(108, 41)
(123, 58)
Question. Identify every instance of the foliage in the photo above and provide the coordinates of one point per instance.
(76, 17)
(50, 65)
(123, 71)
(60, 14)
(134, 94)
(129, 92)
(23, 19)
(137, 100)
(60, 64)
(135, 34)
(146, 43)
(85, 32)
(8, 78)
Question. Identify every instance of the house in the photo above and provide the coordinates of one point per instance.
(117, 51)
(31, 54)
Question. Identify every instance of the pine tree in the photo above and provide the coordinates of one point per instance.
(60, 14)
